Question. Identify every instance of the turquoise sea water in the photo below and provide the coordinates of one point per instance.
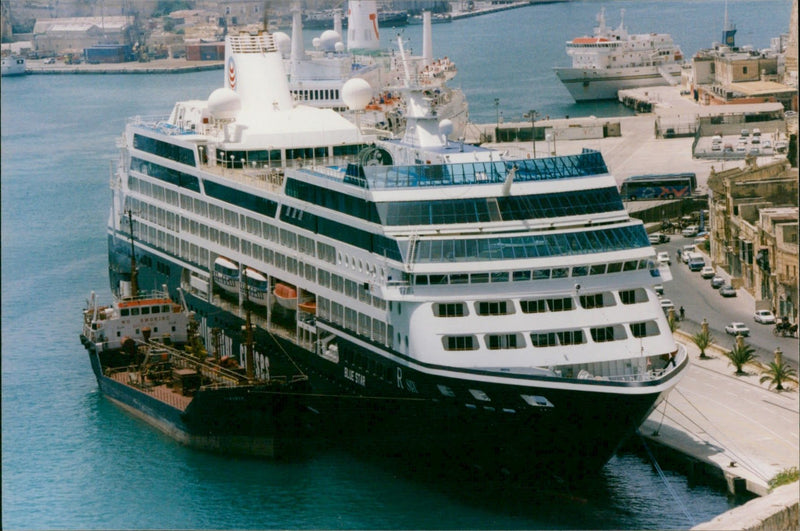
(71, 459)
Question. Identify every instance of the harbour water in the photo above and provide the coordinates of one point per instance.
(71, 459)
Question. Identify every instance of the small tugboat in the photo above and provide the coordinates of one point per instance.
(147, 357)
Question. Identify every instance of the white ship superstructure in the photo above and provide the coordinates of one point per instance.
(432, 290)
(613, 60)
(316, 77)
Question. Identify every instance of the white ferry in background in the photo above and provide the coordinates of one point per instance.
(613, 60)
(442, 298)
(13, 65)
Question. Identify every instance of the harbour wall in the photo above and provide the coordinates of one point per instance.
(778, 511)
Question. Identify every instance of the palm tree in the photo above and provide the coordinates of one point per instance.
(673, 322)
(777, 373)
(740, 355)
(703, 340)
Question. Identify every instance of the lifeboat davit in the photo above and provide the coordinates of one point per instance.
(286, 296)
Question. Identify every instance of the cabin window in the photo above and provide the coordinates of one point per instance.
(632, 296)
(560, 305)
(451, 309)
(479, 278)
(520, 276)
(608, 333)
(156, 309)
(544, 340)
(535, 306)
(597, 269)
(616, 267)
(541, 274)
(630, 265)
(492, 308)
(504, 341)
(571, 337)
(644, 329)
(460, 342)
(560, 272)
(145, 310)
(165, 308)
(580, 271)
(134, 311)
(125, 312)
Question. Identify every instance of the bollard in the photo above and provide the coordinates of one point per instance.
(740, 340)
(704, 326)
(778, 356)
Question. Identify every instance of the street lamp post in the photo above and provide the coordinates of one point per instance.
(532, 115)
(497, 116)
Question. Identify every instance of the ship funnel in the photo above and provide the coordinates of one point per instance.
(297, 35)
(427, 38)
(362, 25)
(254, 70)
(337, 21)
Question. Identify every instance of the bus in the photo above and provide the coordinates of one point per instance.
(670, 186)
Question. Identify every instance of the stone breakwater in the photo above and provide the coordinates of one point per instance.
(777, 511)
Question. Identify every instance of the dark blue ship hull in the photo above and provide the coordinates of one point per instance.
(369, 402)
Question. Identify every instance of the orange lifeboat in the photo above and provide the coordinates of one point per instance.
(309, 306)
(286, 295)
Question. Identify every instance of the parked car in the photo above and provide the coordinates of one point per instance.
(666, 304)
(781, 146)
(764, 317)
(727, 291)
(659, 289)
(755, 151)
(737, 329)
(707, 272)
(717, 282)
(765, 145)
(690, 231)
(50, 61)
(745, 133)
(658, 237)
(663, 258)
(696, 262)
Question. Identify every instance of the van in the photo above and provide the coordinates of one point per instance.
(716, 139)
(687, 249)
(696, 262)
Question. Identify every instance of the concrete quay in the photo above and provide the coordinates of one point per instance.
(484, 8)
(156, 66)
(735, 428)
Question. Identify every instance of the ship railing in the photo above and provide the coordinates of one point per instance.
(638, 369)
(159, 124)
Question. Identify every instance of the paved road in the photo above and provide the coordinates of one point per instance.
(694, 293)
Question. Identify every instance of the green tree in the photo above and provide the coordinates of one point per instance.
(740, 355)
(672, 321)
(703, 340)
(777, 373)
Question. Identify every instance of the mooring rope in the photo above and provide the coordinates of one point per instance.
(666, 482)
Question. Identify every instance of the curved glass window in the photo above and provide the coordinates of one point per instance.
(486, 209)
(531, 246)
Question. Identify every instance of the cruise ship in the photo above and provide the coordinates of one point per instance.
(613, 60)
(440, 297)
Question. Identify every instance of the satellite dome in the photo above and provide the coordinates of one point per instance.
(224, 104)
(315, 42)
(356, 93)
(446, 127)
(283, 42)
(328, 40)
(339, 47)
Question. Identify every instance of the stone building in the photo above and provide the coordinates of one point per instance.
(753, 215)
(59, 35)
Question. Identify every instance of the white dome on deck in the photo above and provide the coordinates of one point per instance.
(356, 93)
(283, 42)
(328, 40)
(446, 127)
(224, 104)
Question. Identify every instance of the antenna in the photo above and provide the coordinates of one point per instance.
(134, 274)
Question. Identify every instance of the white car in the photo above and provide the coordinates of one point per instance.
(707, 272)
(764, 317)
(737, 329)
(663, 258)
(690, 231)
(666, 304)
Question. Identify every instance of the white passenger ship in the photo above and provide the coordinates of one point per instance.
(614, 60)
(446, 298)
